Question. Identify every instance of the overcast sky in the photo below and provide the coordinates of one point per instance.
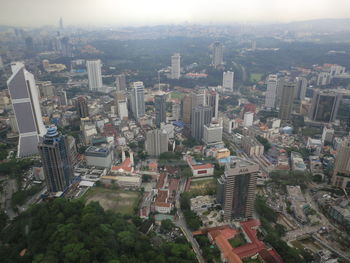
(149, 12)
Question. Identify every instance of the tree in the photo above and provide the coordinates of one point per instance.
(166, 225)
(186, 172)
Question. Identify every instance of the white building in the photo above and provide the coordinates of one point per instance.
(227, 81)
(122, 109)
(212, 134)
(324, 78)
(248, 119)
(156, 142)
(25, 101)
(138, 99)
(271, 91)
(337, 70)
(94, 74)
(175, 66)
(218, 54)
(101, 157)
(327, 135)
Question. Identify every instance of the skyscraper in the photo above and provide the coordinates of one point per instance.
(175, 66)
(56, 160)
(187, 109)
(62, 96)
(213, 102)
(271, 92)
(82, 107)
(227, 81)
(286, 102)
(138, 99)
(61, 23)
(236, 188)
(198, 97)
(218, 54)
(212, 134)
(26, 106)
(300, 88)
(1, 63)
(324, 106)
(160, 106)
(120, 82)
(341, 172)
(201, 115)
(156, 142)
(94, 74)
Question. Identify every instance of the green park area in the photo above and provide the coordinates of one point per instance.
(255, 77)
(116, 200)
(177, 95)
(238, 240)
(203, 186)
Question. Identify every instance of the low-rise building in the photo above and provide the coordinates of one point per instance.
(200, 204)
(252, 146)
(99, 156)
(124, 181)
(297, 161)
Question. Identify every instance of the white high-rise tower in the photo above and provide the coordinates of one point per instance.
(138, 99)
(94, 74)
(227, 81)
(175, 66)
(271, 91)
(218, 54)
(26, 106)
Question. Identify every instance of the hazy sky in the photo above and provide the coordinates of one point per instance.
(146, 12)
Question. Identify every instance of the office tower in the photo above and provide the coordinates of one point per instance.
(66, 48)
(324, 78)
(175, 111)
(236, 188)
(201, 115)
(286, 103)
(248, 119)
(29, 44)
(337, 70)
(199, 97)
(26, 106)
(227, 81)
(175, 66)
(160, 106)
(212, 134)
(62, 97)
(213, 102)
(300, 90)
(1, 63)
(341, 172)
(218, 54)
(122, 109)
(56, 160)
(156, 142)
(82, 107)
(138, 99)
(324, 106)
(94, 74)
(187, 109)
(61, 23)
(120, 82)
(271, 92)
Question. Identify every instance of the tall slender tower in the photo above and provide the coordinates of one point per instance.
(341, 172)
(300, 88)
(201, 115)
(120, 82)
(218, 54)
(56, 160)
(160, 105)
(138, 99)
(82, 107)
(286, 103)
(61, 23)
(25, 101)
(213, 102)
(271, 92)
(94, 74)
(236, 188)
(175, 66)
(156, 142)
(227, 81)
(187, 109)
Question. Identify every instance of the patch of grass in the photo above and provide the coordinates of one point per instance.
(203, 186)
(238, 240)
(177, 95)
(116, 200)
(255, 77)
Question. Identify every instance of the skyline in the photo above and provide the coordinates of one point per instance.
(153, 12)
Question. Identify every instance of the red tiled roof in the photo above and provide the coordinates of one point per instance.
(161, 181)
(162, 196)
(126, 166)
(226, 249)
(202, 166)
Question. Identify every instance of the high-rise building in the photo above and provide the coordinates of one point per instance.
(324, 78)
(61, 23)
(175, 66)
(201, 115)
(82, 107)
(62, 97)
(337, 70)
(324, 106)
(286, 102)
(1, 63)
(213, 102)
(156, 142)
(218, 54)
(248, 119)
(66, 47)
(227, 81)
(94, 74)
(160, 107)
(187, 109)
(175, 111)
(122, 109)
(236, 188)
(300, 88)
(199, 97)
(341, 171)
(120, 82)
(26, 106)
(271, 92)
(212, 134)
(138, 99)
(56, 160)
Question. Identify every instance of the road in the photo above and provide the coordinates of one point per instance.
(181, 223)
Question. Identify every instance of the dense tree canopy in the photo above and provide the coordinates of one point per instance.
(63, 231)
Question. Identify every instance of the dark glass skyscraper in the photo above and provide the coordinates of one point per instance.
(55, 157)
(160, 105)
(201, 115)
(324, 106)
